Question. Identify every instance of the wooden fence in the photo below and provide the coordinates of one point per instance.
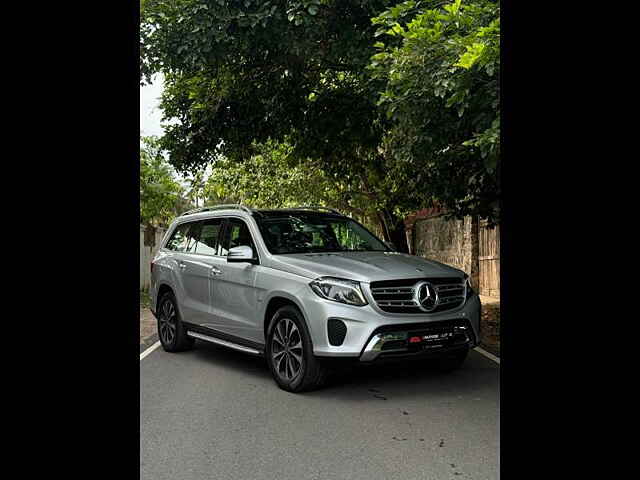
(489, 260)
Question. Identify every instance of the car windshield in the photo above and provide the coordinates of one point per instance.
(309, 233)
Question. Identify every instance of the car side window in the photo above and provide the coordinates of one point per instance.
(192, 237)
(207, 241)
(178, 240)
(236, 234)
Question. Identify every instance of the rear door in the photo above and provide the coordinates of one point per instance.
(201, 263)
(176, 244)
(194, 275)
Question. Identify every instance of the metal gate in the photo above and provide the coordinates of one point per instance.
(489, 260)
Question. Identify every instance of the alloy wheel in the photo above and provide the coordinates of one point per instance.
(167, 322)
(286, 349)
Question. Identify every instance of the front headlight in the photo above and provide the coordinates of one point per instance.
(339, 290)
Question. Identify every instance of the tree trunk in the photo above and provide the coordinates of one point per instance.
(383, 226)
(399, 238)
(392, 227)
(396, 232)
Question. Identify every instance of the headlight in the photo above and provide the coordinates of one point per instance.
(339, 290)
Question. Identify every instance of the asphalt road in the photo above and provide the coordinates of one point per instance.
(213, 413)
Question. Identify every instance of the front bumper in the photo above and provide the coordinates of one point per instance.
(414, 340)
(370, 331)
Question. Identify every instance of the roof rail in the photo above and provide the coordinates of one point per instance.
(318, 207)
(229, 206)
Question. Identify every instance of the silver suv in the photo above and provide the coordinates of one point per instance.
(305, 287)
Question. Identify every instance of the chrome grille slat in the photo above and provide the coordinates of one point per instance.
(457, 298)
(392, 291)
(396, 296)
(396, 303)
(449, 287)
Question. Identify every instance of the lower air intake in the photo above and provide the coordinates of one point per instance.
(337, 331)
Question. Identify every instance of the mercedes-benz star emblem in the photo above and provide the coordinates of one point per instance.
(426, 296)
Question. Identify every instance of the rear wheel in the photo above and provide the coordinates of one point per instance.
(289, 352)
(171, 330)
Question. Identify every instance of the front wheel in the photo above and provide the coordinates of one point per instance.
(289, 352)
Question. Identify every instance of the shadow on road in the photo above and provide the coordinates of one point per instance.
(478, 376)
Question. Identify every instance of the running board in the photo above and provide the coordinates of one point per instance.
(224, 343)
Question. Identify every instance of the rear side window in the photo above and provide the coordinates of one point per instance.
(207, 243)
(178, 240)
(192, 237)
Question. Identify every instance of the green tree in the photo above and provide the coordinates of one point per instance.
(442, 97)
(241, 73)
(160, 192)
(272, 179)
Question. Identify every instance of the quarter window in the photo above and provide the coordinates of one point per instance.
(178, 240)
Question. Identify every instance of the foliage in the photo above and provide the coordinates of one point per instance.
(400, 112)
(145, 298)
(160, 193)
(441, 67)
(269, 179)
(241, 73)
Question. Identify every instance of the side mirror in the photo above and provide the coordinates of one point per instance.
(391, 246)
(243, 253)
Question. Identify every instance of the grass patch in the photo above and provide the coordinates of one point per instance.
(145, 299)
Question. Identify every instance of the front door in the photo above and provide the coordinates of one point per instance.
(234, 288)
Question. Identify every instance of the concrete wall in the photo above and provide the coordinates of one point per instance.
(149, 244)
(468, 245)
(454, 242)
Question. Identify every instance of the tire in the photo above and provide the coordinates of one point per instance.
(171, 330)
(453, 361)
(287, 327)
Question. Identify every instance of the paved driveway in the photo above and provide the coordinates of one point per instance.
(213, 413)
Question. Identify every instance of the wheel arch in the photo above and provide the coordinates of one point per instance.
(162, 289)
(277, 301)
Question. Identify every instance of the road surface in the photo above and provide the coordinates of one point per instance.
(213, 413)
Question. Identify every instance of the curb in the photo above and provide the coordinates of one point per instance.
(147, 342)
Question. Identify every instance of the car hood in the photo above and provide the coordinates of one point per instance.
(362, 266)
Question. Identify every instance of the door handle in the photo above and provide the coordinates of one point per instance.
(215, 271)
(182, 265)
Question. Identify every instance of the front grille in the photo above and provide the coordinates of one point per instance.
(397, 296)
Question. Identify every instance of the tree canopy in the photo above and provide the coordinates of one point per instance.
(160, 192)
(441, 68)
(268, 179)
(396, 102)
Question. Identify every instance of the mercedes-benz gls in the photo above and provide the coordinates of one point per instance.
(302, 286)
